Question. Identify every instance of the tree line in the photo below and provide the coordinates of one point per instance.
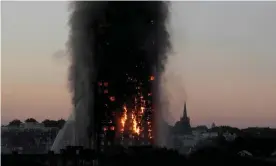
(47, 122)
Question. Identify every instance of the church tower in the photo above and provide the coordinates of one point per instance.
(185, 119)
(185, 111)
(183, 126)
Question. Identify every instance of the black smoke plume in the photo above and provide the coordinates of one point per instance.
(109, 42)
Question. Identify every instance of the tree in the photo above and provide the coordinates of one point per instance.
(30, 120)
(52, 123)
(60, 123)
(49, 123)
(201, 127)
(15, 122)
(46, 122)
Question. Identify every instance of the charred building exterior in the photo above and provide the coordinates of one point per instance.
(128, 42)
(123, 98)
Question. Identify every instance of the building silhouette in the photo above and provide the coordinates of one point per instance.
(183, 126)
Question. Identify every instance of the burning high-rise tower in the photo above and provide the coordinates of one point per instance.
(118, 51)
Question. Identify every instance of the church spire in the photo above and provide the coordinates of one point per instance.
(185, 111)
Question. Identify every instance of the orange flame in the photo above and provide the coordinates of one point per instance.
(136, 114)
(124, 118)
(134, 120)
(135, 128)
(142, 110)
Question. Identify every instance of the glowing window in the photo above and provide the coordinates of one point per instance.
(105, 128)
(112, 98)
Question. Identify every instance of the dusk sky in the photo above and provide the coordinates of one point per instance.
(223, 62)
